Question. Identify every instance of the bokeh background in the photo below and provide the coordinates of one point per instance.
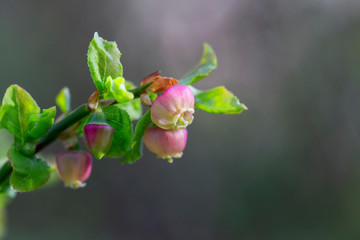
(289, 168)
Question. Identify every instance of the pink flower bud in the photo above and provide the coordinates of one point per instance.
(74, 168)
(174, 108)
(98, 138)
(167, 144)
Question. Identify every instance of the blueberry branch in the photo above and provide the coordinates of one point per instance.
(75, 116)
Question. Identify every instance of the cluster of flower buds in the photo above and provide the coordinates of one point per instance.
(74, 167)
(171, 112)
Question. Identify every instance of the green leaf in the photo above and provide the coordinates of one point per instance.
(217, 100)
(135, 153)
(42, 124)
(20, 115)
(54, 176)
(28, 173)
(206, 65)
(17, 109)
(120, 121)
(103, 61)
(5, 144)
(63, 100)
(136, 147)
(116, 89)
(133, 108)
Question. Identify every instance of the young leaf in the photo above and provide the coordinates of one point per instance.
(20, 115)
(120, 121)
(63, 100)
(136, 147)
(42, 124)
(116, 89)
(206, 65)
(133, 107)
(217, 100)
(15, 113)
(103, 61)
(28, 173)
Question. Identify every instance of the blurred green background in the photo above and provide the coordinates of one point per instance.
(286, 169)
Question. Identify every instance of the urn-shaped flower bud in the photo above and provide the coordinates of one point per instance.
(98, 135)
(74, 168)
(166, 144)
(174, 108)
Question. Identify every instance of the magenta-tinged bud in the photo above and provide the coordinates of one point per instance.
(166, 144)
(174, 108)
(98, 136)
(74, 168)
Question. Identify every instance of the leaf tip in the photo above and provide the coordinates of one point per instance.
(243, 106)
